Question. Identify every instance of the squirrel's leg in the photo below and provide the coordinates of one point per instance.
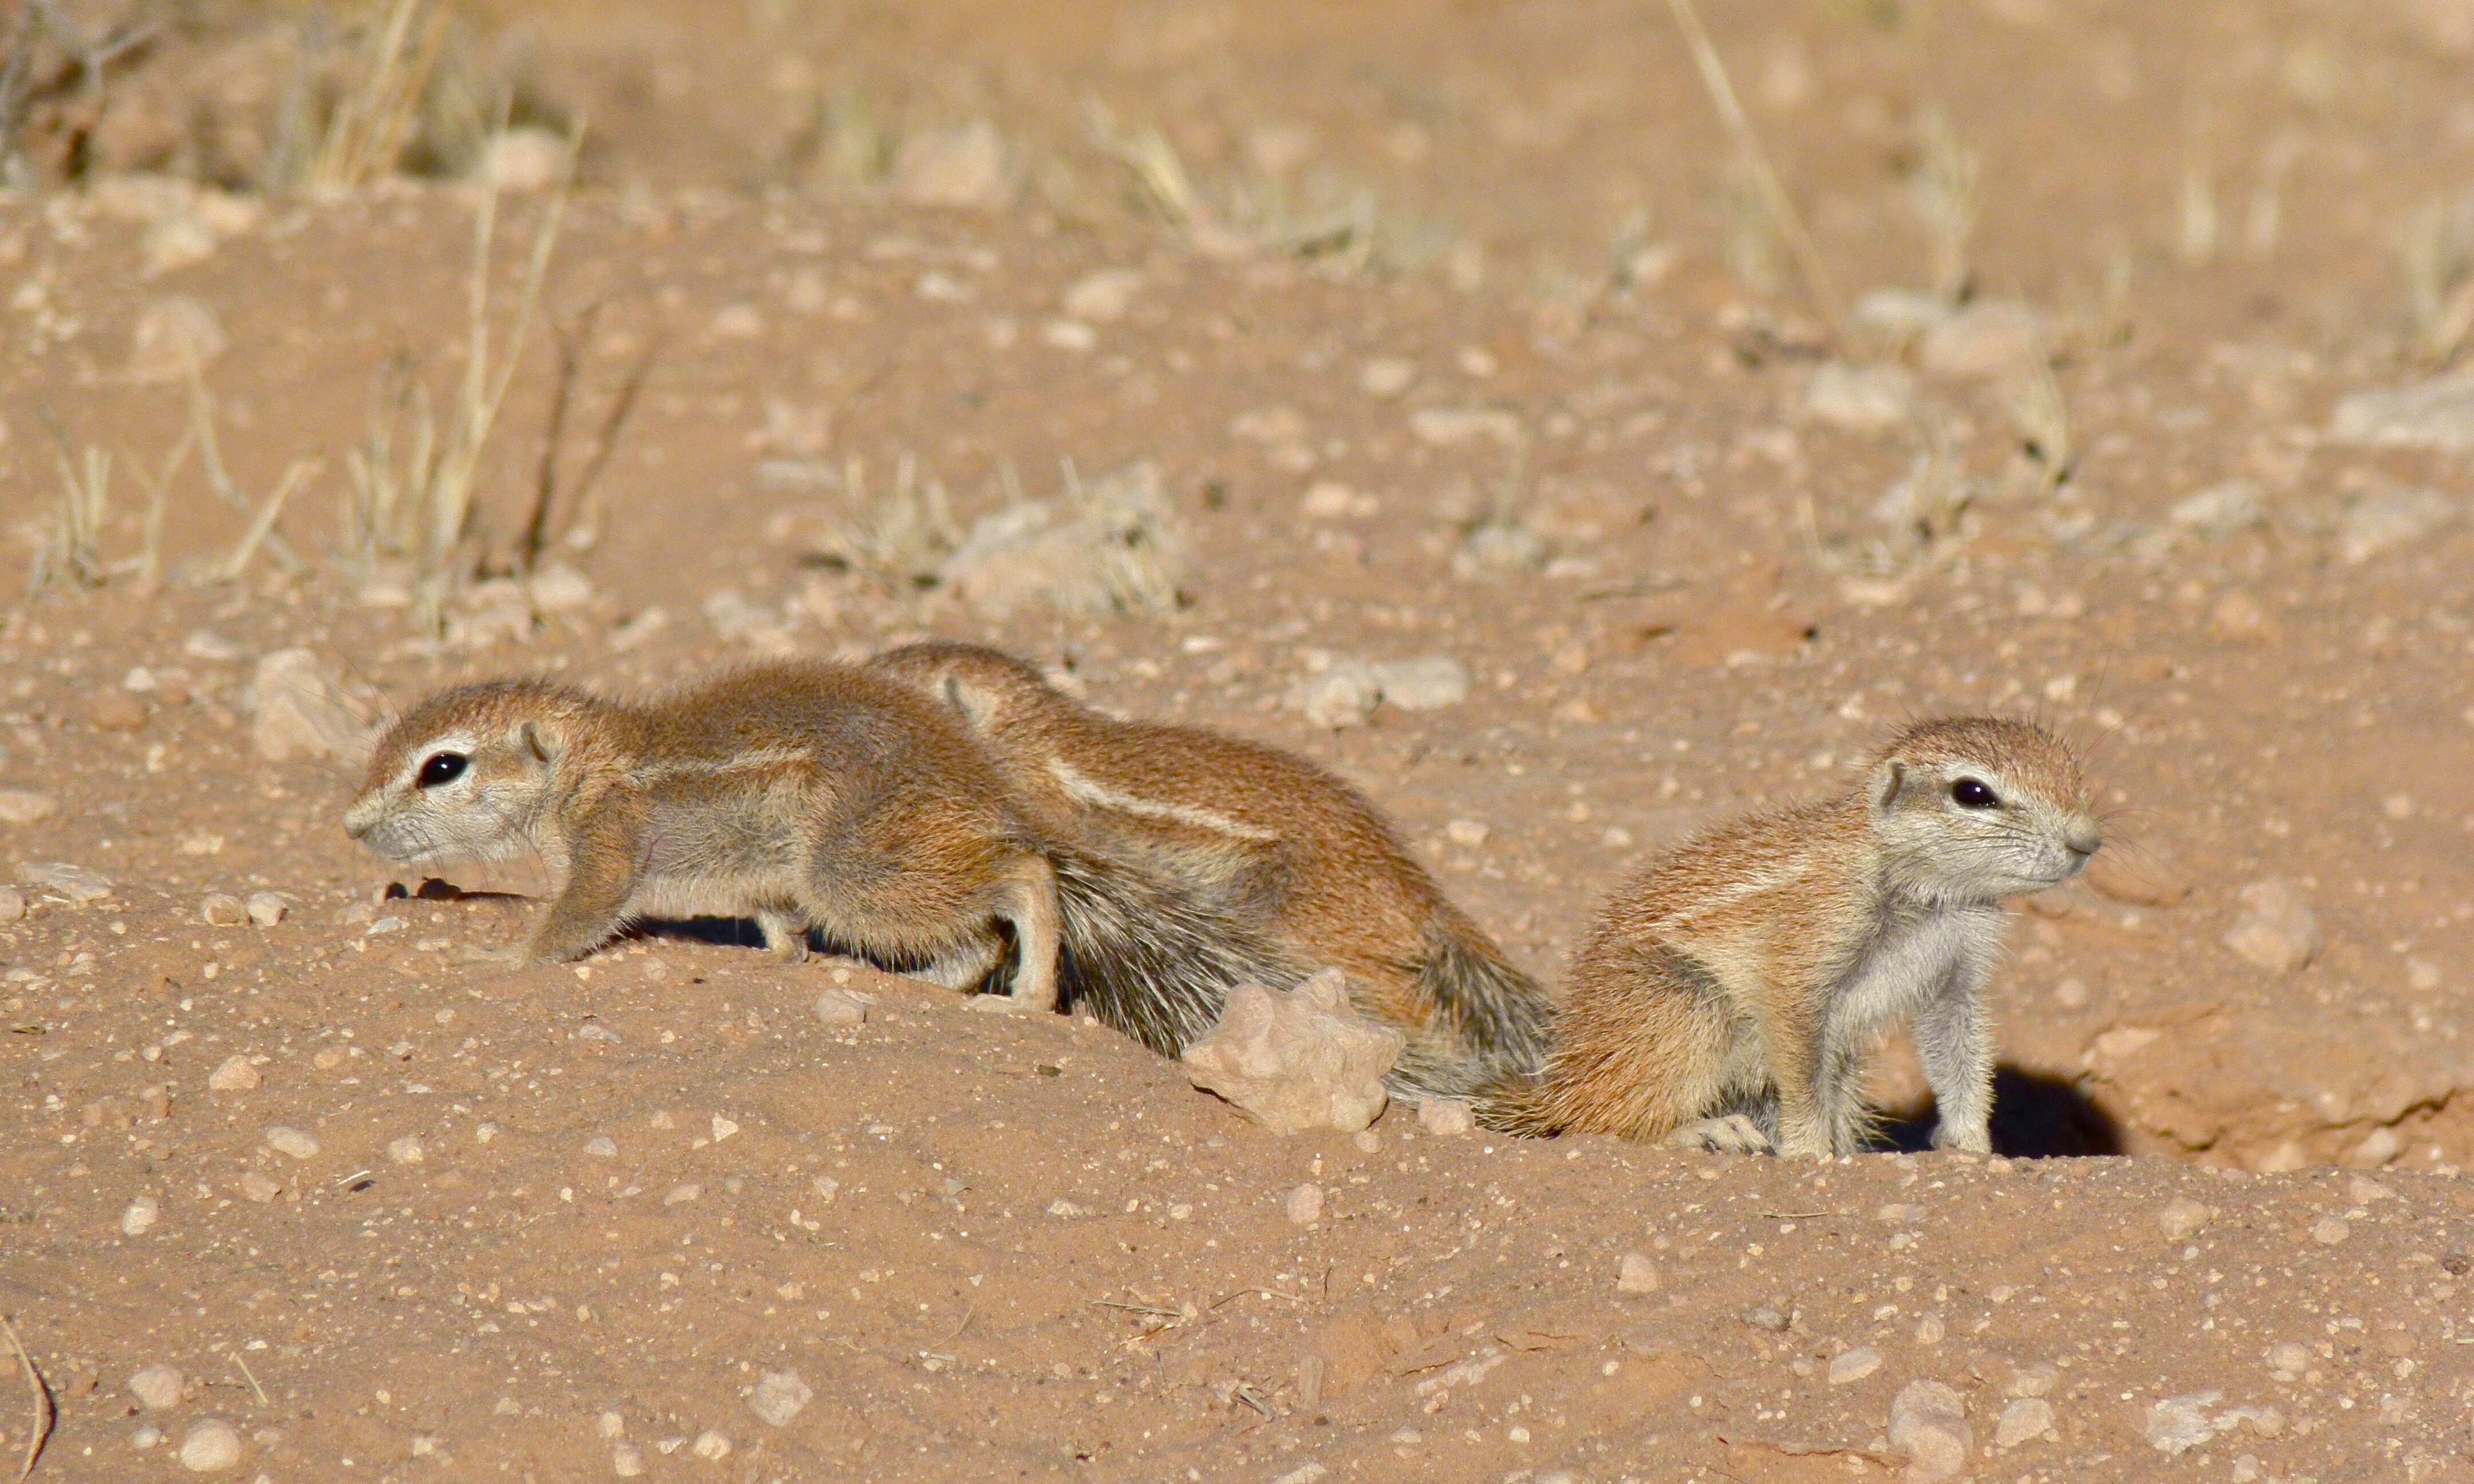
(602, 850)
(785, 936)
(1027, 898)
(1955, 1041)
(1837, 1089)
(1794, 1051)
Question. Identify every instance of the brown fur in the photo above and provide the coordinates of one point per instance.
(807, 796)
(1749, 971)
(1269, 836)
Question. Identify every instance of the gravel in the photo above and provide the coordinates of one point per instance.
(840, 1009)
(1636, 1274)
(210, 1447)
(2183, 1217)
(2025, 1418)
(1928, 1423)
(140, 1216)
(1303, 1204)
(2276, 930)
(291, 1141)
(26, 805)
(1850, 1366)
(778, 1397)
(234, 1074)
(156, 1386)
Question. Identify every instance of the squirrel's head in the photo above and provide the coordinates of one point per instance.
(1981, 807)
(462, 776)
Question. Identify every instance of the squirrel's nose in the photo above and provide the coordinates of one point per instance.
(2084, 836)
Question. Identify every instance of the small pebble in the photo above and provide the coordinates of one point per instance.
(156, 1386)
(210, 1447)
(778, 1398)
(1446, 1117)
(140, 1216)
(610, 1426)
(1386, 376)
(840, 1010)
(234, 1074)
(1305, 1205)
(711, 1447)
(223, 910)
(722, 1128)
(683, 1191)
(116, 710)
(2183, 1217)
(259, 1186)
(2330, 1231)
(265, 908)
(2025, 1418)
(1468, 834)
(146, 1437)
(12, 904)
(2276, 930)
(2036, 1379)
(1928, 1423)
(1636, 1274)
(602, 1148)
(626, 1461)
(2287, 1360)
(408, 1150)
(26, 805)
(1854, 1365)
(291, 1141)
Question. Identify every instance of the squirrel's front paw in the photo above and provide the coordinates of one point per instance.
(1003, 1005)
(1729, 1133)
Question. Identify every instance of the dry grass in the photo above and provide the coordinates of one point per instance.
(2435, 258)
(900, 533)
(412, 485)
(68, 537)
(372, 122)
(1945, 190)
(2198, 225)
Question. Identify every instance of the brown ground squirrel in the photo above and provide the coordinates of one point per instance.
(810, 797)
(1733, 990)
(1265, 836)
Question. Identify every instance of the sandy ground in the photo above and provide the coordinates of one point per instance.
(1696, 553)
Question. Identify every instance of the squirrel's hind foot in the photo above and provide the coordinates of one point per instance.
(1726, 1134)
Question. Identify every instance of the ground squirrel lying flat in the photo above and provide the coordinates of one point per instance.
(1740, 980)
(810, 797)
(1267, 837)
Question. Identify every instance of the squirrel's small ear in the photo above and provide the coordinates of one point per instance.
(1887, 780)
(540, 744)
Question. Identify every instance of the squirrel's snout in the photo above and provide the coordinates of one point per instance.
(2084, 837)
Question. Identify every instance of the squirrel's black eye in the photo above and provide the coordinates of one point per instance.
(1967, 793)
(443, 768)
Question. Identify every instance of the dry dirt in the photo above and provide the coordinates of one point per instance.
(1465, 348)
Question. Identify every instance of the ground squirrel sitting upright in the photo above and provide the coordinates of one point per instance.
(1740, 981)
(1265, 836)
(808, 796)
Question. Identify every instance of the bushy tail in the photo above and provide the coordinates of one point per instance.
(1492, 1023)
(1146, 956)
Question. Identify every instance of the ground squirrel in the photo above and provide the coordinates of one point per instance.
(1731, 990)
(807, 796)
(1267, 837)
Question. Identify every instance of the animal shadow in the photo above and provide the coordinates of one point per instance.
(2036, 1116)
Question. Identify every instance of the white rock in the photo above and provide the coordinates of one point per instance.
(2428, 415)
(1860, 398)
(2035, 1378)
(1929, 1424)
(2276, 930)
(140, 1216)
(559, 589)
(1850, 1366)
(1496, 551)
(521, 160)
(2177, 1424)
(2024, 1419)
(174, 334)
(12, 904)
(210, 1447)
(2391, 518)
(1343, 695)
(2287, 1360)
(1299, 1061)
(222, 909)
(681, 1193)
(207, 644)
(1103, 296)
(1386, 376)
(1112, 547)
(302, 710)
(610, 1426)
(234, 1074)
(156, 1386)
(1449, 427)
(1445, 1117)
(1636, 1274)
(265, 908)
(1426, 684)
(959, 166)
(260, 1187)
(710, 1445)
(294, 1142)
(1468, 834)
(408, 1150)
(840, 1009)
(627, 1460)
(78, 884)
(601, 1147)
(2331, 1231)
(1991, 337)
(1905, 312)
(778, 1398)
(1303, 1204)
(2220, 510)
(2183, 1217)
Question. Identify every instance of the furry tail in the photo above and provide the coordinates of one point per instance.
(1144, 955)
(1491, 1024)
